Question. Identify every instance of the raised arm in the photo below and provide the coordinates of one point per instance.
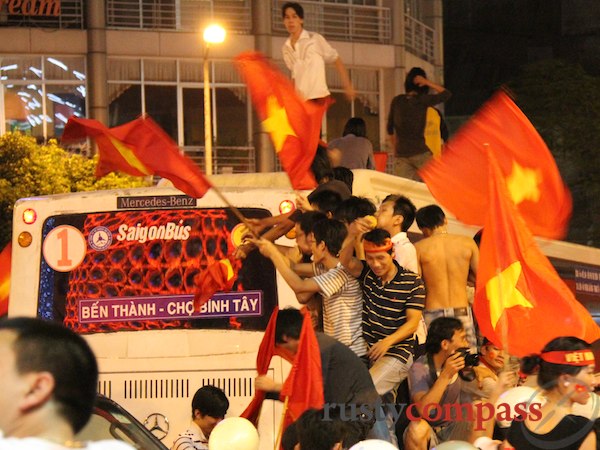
(298, 285)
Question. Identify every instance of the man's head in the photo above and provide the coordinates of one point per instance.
(491, 356)
(355, 126)
(293, 18)
(409, 82)
(354, 207)
(209, 407)
(288, 328)
(429, 218)
(49, 376)
(325, 201)
(396, 213)
(329, 235)
(304, 227)
(379, 253)
(445, 334)
(315, 432)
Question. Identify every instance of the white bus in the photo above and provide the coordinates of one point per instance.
(119, 267)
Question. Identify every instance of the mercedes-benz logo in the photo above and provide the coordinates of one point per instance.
(158, 425)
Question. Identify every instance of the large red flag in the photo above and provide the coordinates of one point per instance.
(293, 124)
(304, 385)
(5, 278)
(520, 300)
(458, 180)
(139, 148)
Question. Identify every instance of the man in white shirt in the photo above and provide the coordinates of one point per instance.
(209, 407)
(305, 54)
(49, 380)
(395, 215)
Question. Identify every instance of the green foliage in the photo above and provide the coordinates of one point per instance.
(563, 103)
(28, 169)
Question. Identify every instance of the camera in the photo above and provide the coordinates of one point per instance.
(471, 359)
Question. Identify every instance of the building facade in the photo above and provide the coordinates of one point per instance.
(113, 60)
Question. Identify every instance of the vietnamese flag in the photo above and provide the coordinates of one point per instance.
(139, 148)
(293, 123)
(218, 276)
(5, 278)
(304, 385)
(520, 301)
(458, 180)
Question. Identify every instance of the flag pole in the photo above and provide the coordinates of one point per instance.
(236, 212)
(280, 431)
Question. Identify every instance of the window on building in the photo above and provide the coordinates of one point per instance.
(40, 93)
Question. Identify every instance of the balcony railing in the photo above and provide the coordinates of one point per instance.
(419, 38)
(343, 22)
(225, 159)
(179, 15)
(71, 16)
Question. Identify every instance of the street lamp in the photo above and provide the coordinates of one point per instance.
(213, 34)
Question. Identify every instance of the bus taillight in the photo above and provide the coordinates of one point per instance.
(25, 239)
(29, 216)
(286, 206)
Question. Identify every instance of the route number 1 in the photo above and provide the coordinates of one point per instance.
(64, 248)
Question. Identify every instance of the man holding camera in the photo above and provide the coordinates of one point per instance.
(439, 387)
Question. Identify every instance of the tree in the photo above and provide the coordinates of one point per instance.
(28, 169)
(563, 103)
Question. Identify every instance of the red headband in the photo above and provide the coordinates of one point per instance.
(569, 357)
(371, 247)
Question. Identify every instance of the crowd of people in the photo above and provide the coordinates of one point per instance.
(415, 324)
(401, 357)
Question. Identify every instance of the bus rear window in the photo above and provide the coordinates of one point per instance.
(138, 270)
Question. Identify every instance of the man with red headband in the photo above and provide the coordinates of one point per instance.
(393, 299)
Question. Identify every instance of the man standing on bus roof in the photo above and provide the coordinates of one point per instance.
(49, 381)
(305, 54)
(209, 407)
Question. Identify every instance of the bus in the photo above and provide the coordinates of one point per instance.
(120, 266)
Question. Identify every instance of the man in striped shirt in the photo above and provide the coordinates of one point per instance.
(393, 300)
(342, 297)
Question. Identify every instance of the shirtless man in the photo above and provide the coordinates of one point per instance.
(446, 263)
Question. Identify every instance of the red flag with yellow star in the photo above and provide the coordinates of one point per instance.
(293, 124)
(218, 276)
(5, 278)
(304, 385)
(139, 148)
(520, 300)
(458, 180)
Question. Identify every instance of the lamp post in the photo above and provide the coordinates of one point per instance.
(213, 34)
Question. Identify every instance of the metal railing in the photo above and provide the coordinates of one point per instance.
(180, 15)
(343, 22)
(419, 38)
(225, 159)
(71, 16)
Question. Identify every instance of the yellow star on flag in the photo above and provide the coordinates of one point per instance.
(277, 123)
(523, 184)
(127, 153)
(502, 292)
